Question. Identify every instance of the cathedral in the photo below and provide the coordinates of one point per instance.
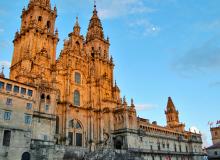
(70, 107)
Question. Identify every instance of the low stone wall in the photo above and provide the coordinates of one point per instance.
(58, 153)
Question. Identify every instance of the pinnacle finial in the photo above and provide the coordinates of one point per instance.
(94, 4)
(132, 102)
(95, 10)
(124, 100)
(77, 21)
(2, 73)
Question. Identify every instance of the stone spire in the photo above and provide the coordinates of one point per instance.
(43, 3)
(2, 73)
(172, 116)
(170, 106)
(76, 28)
(95, 30)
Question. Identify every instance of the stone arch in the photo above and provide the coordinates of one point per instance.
(26, 156)
(42, 96)
(75, 134)
(118, 142)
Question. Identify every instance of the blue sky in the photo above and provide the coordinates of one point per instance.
(161, 48)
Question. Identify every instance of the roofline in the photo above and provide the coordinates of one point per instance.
(18, 82)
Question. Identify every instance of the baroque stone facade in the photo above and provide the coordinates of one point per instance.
(76, 109)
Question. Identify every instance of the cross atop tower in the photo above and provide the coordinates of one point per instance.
(95, 4)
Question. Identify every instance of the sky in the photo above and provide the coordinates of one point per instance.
(161, 48)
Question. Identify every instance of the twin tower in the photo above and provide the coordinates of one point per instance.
(34, 57)
(81, 79)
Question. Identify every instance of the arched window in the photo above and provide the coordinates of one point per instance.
(43, 96)
(48, 24)
(78, 126)
(48, 97)
(75, 134)
(71, 123)
(39, 18)
(77, 45)
(76, 98)
(77, 78)
(26, 156)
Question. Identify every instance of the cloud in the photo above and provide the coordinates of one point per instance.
(201, 59)
(205, 141)
(215, 84)
(144, 27)
(208, 25)
(194, 129)
(145, 107)
(5, 64)
(114, 9)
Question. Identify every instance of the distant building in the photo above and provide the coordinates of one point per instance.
(71, 107)
(214, 150)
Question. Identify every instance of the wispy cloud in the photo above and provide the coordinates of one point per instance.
(115, 8)
(5, 64)
(208, 25)
(205, 141)
(215, 84)
(144, 27)
(145, 107)
(200, 59)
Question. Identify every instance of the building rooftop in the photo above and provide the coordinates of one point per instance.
(214, 146)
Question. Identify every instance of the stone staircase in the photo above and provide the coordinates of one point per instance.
(110, 154)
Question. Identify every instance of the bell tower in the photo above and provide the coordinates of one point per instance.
(172, 116)
(35, 44)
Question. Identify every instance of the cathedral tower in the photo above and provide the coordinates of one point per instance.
(101, 64)
(97, 45)
(35, 44)
(172, 116)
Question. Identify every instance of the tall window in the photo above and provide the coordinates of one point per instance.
(23, 91)
(6, 138)
(79, 139)
(180, 148)
(16, 89)
(77, 78)
(27, 119)
(75, 133)
(2, 85)
(46, 108)
(186, 149)
(30, 93)
(39, 18)
(8, 101)
(76, 98)
(7, 115)
(175, 147)
(57, 125)
(29, 106)
(8, 87)
(158, 146)
(70, 137)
